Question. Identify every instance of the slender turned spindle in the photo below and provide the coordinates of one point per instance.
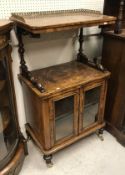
(21, 50)
(81, 57)
(23, 67)
(118, 25)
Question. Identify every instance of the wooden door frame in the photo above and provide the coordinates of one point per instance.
(74, 93)
(101, 107)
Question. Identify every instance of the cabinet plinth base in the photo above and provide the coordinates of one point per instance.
(15, 165)
(67, 143)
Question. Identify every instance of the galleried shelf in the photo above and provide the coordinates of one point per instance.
(64, 103)
(37, 22)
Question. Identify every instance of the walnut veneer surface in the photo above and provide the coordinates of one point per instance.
(67, 75)
(38, 22)
(64, 76)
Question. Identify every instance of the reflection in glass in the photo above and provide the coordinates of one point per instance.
(64, 113)
(91, 106)
(7, 124)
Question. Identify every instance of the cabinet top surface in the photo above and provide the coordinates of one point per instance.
(118, 36)
(5, 24)
(67, 75)
(37, 22)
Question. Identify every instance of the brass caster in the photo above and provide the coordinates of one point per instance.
(101, 137)
(49, 165)
(48, 159)
(100, 134)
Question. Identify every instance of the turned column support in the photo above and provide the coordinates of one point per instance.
(23, 67)
(118, 25)
(81, 57)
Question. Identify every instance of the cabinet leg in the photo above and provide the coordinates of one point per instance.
(48, 159)
(100, 134)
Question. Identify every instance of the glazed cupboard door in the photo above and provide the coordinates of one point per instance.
(92, 99)
(65, 110)
(8, 129)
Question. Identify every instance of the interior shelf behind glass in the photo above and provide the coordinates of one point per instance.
(91, 105)
(64, 114)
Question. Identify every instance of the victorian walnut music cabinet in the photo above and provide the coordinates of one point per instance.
(12, 143)
(65, 102)
(113, 58)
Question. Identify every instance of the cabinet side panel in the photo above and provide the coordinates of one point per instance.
(113, 60)
(33, 110)
(46, 123)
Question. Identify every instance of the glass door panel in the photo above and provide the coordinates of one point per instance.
(91, 106)
(64, 118)
(8, 133)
